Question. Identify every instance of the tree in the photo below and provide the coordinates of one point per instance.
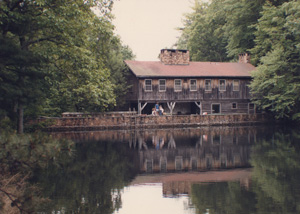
(276, 83)
(240, 17)
(112, 53)
(220, 30)
(119, 72)
(203, 34)
(46, 51)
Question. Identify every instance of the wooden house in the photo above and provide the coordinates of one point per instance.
(185, 87)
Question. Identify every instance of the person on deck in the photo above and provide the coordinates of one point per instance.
(161, 110)
(157, 108)
(153, 112)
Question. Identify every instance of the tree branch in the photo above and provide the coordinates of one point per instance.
(49, 39)
(10, 196)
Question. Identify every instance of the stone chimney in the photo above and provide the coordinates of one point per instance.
(244, 58)
(174, 57)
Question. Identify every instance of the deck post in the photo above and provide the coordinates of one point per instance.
(171, 106)
(139, 108)
(199, 106)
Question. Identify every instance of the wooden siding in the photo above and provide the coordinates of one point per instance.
(186, 98)
(187, 95)
(226, 106)
(133, 82)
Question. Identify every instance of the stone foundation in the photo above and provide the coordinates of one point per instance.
(134, 121)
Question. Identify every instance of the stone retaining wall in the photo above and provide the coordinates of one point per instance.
(125, 121)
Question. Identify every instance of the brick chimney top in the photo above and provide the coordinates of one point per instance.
(174, 57)
(244, 58)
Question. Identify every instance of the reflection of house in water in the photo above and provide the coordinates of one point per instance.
(205, 154)
(169, 150)
(174, 186)
(209, 151)
(193, 156)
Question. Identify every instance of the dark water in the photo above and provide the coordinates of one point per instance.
(206, 170)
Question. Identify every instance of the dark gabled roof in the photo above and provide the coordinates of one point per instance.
(152, 69)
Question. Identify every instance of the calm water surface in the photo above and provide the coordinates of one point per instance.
(205, 170)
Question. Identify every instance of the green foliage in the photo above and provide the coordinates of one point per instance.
(203, 34)
(222, 197)
(24, 152)
(220, 30)
(92, 181)
(276, 173)
(119, 72)
(6, 125)
(34, 126)
(240, 17)
(19, 156)
(55, 56)
(276, 84)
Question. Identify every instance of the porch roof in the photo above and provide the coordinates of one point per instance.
(145, 69)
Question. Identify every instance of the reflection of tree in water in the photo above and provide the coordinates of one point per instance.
(274, 187)
(90, 183)
(225, 197)
(276, 174)
(20, 156)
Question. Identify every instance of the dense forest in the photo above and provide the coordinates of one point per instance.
(269, 30)
(59, 56)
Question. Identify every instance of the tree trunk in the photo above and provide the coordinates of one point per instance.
(20, 119)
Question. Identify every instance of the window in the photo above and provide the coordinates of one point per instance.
(149, 165)
(148, 85)
(177, 85)
(208, 162)
(236, 85)
(163, 164)
(234, 106)
(251, 108)
(194, 164)
(223, 162)
(162, 85)
(222, 85)
(207, 85)
(193, 85)
(235, 140)
(216, 139)
(216, 108)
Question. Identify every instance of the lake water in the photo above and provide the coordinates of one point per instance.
(249, 169)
